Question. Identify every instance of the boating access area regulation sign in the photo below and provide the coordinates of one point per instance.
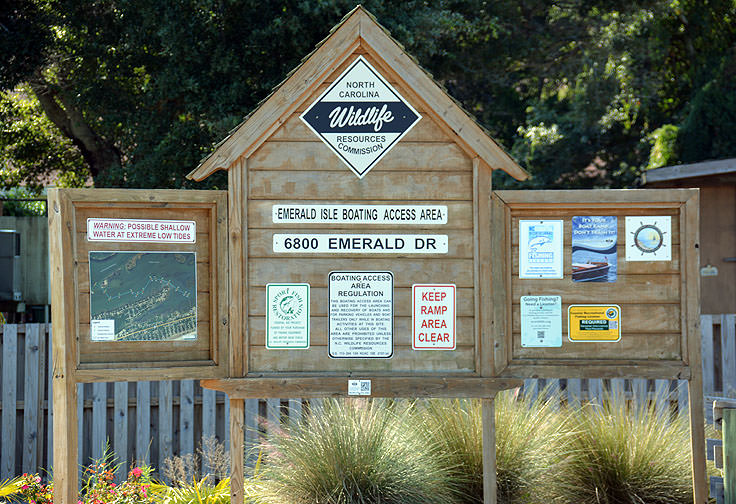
(360, 117)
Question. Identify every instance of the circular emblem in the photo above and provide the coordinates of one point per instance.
(648, 238)
(288, 305)
(611, 313)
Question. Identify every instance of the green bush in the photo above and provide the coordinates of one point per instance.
(351, 452)
(524, 428)
(617, 453)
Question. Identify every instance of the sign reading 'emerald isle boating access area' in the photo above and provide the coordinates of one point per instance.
(360, 117)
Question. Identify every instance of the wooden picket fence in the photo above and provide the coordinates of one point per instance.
(152, 421)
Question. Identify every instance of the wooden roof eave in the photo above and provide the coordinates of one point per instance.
(357, 28)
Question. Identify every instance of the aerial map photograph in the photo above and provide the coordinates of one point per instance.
(150, 296)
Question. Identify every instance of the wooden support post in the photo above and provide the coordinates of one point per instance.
(489, 451)
(237, 411)
(729, 455)
(65, 439)
(697, 437)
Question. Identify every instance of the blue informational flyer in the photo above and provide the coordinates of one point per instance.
(594, 255)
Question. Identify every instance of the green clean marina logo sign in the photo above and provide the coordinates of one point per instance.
(360, 117)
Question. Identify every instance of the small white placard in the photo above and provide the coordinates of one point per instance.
(141, 230)
(649, 238)
(306, 243)
(361, 314)
(541, 321)
(360, 214)
(540, 249)
(359, 387)
(102, 330)
(287, 316)
(433, 317)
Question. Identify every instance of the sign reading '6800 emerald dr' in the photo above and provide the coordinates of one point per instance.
(360, 117)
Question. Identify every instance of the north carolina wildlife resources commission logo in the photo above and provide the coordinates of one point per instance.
(287, 305)
(360, 117)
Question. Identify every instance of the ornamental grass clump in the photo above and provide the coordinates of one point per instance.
(619, 453)
(524, 428)
(351, 452)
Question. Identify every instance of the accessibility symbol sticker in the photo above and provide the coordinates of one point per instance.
(360, 117)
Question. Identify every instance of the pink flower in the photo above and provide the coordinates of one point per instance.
(137, 472)
(24, 487)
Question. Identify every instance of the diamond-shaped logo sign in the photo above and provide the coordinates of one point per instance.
(360, 117)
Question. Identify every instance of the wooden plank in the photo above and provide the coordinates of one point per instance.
(531, 388)
(143, 421)
(642, 347)
(402, 331)
(42, 378)
(404, 185)
(594, 199)
(662, 397)
(639, 388)
(186, 417)
(465, 302)
(574, 392)
(315, 156)
(9, 397)
(120, 429)
(729, 455)
(595, 390)
(618, 388)
(251, 430)
(500, 284)
(295, 412)
(682, 403)
(483, 258)
(321, 387)
(728, 354)
(260, 243)
(50, 410)
(621, 210)
(80, 426)
(165, 420)
(273, 414)
(643, 288)
(649, 318)
(65, 394)
(597, 368)
(237, 467)
(459, 214)
(689, 250)
(624, 268)
(208, 413)
(237, 261)
(461, 360)
(315, 271)
(488, 426)
(707, 355)
(99, 419)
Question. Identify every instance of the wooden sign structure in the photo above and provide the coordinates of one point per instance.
(139, 290)
(368, 256)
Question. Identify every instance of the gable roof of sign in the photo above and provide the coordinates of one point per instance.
(357, 28)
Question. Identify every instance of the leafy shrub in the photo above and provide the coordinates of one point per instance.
(615, 453)
(352, 452)
(524, 426)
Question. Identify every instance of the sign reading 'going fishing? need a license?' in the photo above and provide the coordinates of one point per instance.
(360, 117)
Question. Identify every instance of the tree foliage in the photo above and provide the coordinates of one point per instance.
(576, 90)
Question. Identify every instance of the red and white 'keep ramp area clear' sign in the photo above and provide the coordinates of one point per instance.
(141, 230)
(433, 317)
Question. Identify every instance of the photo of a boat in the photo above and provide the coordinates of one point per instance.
(591, 271)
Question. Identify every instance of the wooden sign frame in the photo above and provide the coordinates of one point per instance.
(659, 300)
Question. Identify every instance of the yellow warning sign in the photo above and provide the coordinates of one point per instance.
(594, 323)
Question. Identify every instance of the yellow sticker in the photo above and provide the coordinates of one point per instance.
(594, 323)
